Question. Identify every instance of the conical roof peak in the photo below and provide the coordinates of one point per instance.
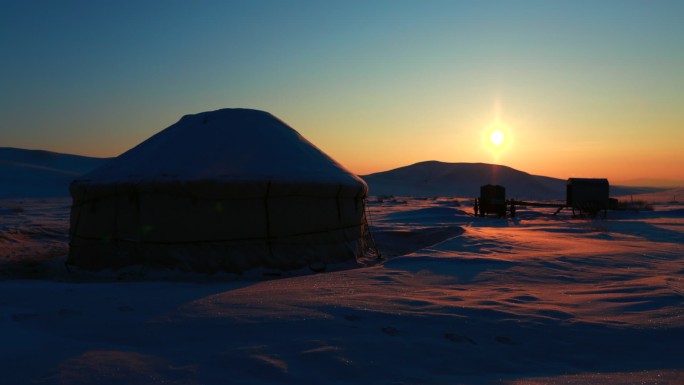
(226, 144)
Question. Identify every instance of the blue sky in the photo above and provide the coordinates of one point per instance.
(584, 87)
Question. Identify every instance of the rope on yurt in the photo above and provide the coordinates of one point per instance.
(232, 240)
(137, 199)
(373, 245)
(268, 219)
(73, 228)
(115, 237)
(339, 205)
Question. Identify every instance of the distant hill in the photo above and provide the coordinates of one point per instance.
(666, 196)
(37, 173)
(433, 178)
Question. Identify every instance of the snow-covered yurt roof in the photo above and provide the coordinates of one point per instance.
(227, 144)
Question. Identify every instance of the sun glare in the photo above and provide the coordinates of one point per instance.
(497, 137)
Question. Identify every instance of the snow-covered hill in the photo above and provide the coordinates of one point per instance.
(37, 173)
(433, 178)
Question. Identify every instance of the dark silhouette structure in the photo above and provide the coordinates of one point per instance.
(492, 200)
(588, 196)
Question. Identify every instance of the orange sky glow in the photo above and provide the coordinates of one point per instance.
(578, 90)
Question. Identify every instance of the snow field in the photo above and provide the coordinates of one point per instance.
(458, 299)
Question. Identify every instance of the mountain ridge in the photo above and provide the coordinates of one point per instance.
(38, 173)
(435, 178)
(28, 173)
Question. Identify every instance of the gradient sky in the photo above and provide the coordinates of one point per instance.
(583, 88)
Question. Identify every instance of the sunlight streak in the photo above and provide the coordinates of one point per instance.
(497, 139)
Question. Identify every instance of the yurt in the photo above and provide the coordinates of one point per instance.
(227, 190)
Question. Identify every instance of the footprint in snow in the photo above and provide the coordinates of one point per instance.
(391, 331)
(453, 337)
(66, 312)
(504, 340)
(23, 317)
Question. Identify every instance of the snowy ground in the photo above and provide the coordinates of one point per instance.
(540, 299)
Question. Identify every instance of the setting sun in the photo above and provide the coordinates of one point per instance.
(497, 137)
